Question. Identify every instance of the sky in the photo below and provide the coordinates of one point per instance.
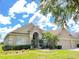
(17, 13)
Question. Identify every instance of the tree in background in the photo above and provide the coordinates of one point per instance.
(61, 10)
(51, 39)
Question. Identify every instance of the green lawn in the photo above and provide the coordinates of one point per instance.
(39, 54)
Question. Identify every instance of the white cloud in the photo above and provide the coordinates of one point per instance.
(31, 7)
(49, 15)
(25, 16)
(34, 16)
(7, 30)
(22, 21)
(71, 21)
(15, 27)
(41, 20)
(4, 20)
(22, 6)
(17, 7)
(74, 27)
(4, 31)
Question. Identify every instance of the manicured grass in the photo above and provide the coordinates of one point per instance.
(39, 54)
(1, 48)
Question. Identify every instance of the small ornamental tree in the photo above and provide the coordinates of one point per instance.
(51, 39)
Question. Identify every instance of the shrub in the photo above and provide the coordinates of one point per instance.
(59, 47)
(22, 47)
(50, 47)
(41, 43)
(16, 47)
(7, 48)
(78, 45)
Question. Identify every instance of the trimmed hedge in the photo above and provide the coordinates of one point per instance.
(77, 45)
(22, 47)
(16, 47)
(59, 47)
(7, 48)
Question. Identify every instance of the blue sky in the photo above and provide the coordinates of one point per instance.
(17, 13)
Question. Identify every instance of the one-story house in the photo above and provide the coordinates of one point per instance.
(31, 34)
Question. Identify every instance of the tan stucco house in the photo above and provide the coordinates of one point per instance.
(25, 36)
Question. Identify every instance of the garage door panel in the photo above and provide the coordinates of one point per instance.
(65, 44)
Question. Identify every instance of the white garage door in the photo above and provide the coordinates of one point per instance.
(65, 44)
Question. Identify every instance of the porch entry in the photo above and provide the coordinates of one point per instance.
(35, 40)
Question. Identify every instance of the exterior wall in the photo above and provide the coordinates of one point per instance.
(22, 40)
(9, 40)
(65, 44)
(17, 39)
(68, 44)
(66, 40)
(22, 36)
(33, 31)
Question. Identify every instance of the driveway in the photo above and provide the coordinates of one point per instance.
(77, 49)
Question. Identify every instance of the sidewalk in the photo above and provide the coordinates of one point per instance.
(77, 49)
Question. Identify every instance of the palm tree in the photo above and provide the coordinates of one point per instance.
(61, 10)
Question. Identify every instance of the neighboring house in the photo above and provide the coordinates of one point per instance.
(31, 34)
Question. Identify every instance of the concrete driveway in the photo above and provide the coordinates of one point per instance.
(77, 49)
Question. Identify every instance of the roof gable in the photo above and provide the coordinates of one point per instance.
(27, 28)
(63, 34)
